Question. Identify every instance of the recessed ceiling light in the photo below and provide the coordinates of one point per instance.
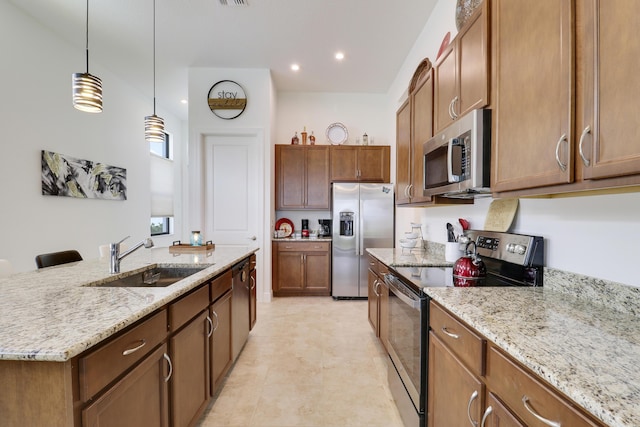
(339, 56)
(184, 101)
(295, 67)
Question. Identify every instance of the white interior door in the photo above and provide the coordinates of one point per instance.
(232, 188)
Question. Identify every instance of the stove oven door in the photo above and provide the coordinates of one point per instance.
(407, 349)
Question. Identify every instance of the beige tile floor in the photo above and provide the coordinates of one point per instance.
(309, 362)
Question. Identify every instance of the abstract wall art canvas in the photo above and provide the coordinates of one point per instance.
(70, 177)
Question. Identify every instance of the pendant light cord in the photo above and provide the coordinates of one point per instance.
(154, 57)
(87, 36)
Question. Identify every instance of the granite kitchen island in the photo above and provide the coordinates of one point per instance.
(51, 318)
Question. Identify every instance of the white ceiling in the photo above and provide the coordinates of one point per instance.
(375, 36)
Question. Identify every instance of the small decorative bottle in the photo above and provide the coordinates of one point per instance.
(365, 139)
(312, 139)
(304, 136)
(295, 140)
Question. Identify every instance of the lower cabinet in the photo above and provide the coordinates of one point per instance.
(301, 268)
(473, 382)
(378, 300)
(140, 398)
(221, 338)
(189, 384)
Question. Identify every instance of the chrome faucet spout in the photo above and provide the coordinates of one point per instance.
(116, 256)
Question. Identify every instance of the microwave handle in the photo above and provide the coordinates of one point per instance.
(451, 177)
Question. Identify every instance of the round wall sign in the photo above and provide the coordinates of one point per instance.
(227, 99)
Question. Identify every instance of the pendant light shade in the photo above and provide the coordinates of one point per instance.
(86, 88)
(154, 125)
(154, 128)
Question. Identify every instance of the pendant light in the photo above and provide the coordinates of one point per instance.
(87, 89)
(154, 125)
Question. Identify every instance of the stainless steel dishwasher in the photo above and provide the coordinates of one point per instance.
(240, 305)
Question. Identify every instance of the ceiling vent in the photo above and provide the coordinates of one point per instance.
(234, 2)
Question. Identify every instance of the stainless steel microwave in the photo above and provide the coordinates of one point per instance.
(457, 160)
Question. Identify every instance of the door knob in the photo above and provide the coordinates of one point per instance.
(253, 238)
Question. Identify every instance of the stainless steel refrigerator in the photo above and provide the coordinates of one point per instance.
(363, 217)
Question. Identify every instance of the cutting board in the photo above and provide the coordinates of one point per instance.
(500, 215)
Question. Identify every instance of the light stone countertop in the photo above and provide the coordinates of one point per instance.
(579, 334)
(588, 351)
(398, 257)
(49, 315)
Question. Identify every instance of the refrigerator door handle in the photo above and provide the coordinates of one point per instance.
(361, 229)
(356, 231)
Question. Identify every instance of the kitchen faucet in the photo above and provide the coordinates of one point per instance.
(116, 256)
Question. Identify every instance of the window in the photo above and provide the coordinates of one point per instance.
(161, 186)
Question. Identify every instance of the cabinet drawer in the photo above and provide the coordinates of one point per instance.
(102, 366)
(220, 285)
(303, 246)
(510, 382)
(187, 307)
(461, 340)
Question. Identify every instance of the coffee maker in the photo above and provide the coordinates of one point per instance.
(325, 228)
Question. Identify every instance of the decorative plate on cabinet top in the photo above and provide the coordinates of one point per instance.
(337, 134)
(285, 224)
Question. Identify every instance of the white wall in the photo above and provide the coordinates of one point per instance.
(592, 235)
(36, 114)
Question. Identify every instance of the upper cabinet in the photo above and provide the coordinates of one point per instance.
(414, 126)
(609, 89)
(461, 74)
(547, 136)
(302, 177)
(360, 163)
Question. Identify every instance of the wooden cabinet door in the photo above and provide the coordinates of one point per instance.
(138, 399)
(190, 392)
(403, 153)
(317, 272)
(609, 49)
(373, 302)
(290, 177)
(473, 63)
(317, 178)
(455, 396)
(344, 164)
(290, 272)
(532, 93)
(422, 131)
(220, 341)
(373, 163)
(446, 89)
(499, 415)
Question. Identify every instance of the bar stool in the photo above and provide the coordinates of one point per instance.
(57, 258)
(5, 268)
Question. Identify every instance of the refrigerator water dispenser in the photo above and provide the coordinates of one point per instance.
(346, 223)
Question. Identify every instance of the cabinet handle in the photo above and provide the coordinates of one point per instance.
(215, 328)
(134, 349)
(211, 329)
(473, 397)
(586, 131)
(451, 109)
(487, 412)
(253, 281)
(168, 359)
(562, 165)
(376, 283)
(410, 191)
(288, 247)
(452, 335)
(540, 418)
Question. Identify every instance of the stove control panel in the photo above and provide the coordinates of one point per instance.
(515, 248)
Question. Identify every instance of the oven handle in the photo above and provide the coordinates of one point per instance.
(391, 280)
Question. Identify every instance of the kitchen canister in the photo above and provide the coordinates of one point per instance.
(452, 251)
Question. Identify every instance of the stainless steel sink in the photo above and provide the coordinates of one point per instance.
(157, 277)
